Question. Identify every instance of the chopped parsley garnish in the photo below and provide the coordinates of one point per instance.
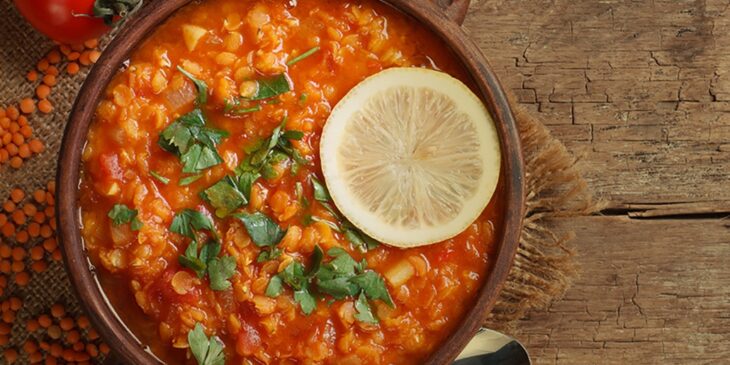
(193, 142)
(341, 277)
(303, 56)
(207, 351)
(264, 155)
(121, 214)
(206, 260)
(188, 221)
(160, 178)
(199, 84)
(272, 86)
(234, 107)
(264, 232)
(225, 196)
(189, 180)
(303, 98)
(352, 233)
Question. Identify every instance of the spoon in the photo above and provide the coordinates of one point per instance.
(490, 347)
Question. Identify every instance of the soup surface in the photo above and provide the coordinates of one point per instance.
(203, 204)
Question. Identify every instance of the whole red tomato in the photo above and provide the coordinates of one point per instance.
(74, 21)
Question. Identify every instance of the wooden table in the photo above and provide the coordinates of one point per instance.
(640, 90)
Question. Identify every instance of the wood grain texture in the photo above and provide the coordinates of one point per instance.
(639, 90)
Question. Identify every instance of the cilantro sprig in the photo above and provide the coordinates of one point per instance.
(341, 277)
(206, 350)
(121, 214)
(206, 260)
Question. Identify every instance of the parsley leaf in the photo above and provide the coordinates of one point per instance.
(189, 180)
(199, 84)
(192, 260)
(275, 287)
(364, 312)
(320, 192)
(373, 286)
(303, 56)
(188, 221)
(189, 139)
(262, 229)
(160, 178)
(207, 351)
(219, 271)
(121, 214)
(272, 86)
(225, 196)
(305, 299)
(273, 254)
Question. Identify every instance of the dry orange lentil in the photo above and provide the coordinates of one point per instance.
(39, 217)
(56, 255)
(50, 244)
(39, 266)
(32, 76)
(73, 337)
(36, 146)
(19, 217)
(16, 162)
(57, 310)
(42, 91)
(78, 47)
(39, 195)
(9, 206)
(18, 138)
(26, 131)
(8, 317)
(73, 56)
(12, 149)
(49, 211)
(15, 304)
(52, 70)
(5, 266)
(5, 329)
(43, 65)
(91, 43)
(45, 346)
(92, 335)
(35, 358)
(32, 325)
(14, 126)
(4, 156)
(83, 322)
(22, 121)
(36, 253)
(49, 80)
(72, 68)
(45, 106)
(54, 57)
(66, 323)
(30, 346)
(104, 348)
(12, 112)
(56, 349)
(3, 219)
(84, 58)
(17, 266)
(22, 278)
(8, 229)
(54, 332)
(30, 209)
(22, 236)
(10, 355)
(94, 56)
(45, 320)
(5, 122)
(4, 340)
(46, 231)
(17, 195)
(5, 306)
(5, 251)
(27, 105)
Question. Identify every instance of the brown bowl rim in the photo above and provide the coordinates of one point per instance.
(82, 273)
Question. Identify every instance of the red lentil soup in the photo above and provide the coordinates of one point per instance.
(265, 68)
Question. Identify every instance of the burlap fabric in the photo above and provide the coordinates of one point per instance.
(543, 268)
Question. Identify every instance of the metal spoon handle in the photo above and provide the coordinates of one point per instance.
(493, 348)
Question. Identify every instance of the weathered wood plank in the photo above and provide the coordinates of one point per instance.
(651, 292)
(649, 77)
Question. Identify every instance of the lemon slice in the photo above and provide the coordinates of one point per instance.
(410, 156)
